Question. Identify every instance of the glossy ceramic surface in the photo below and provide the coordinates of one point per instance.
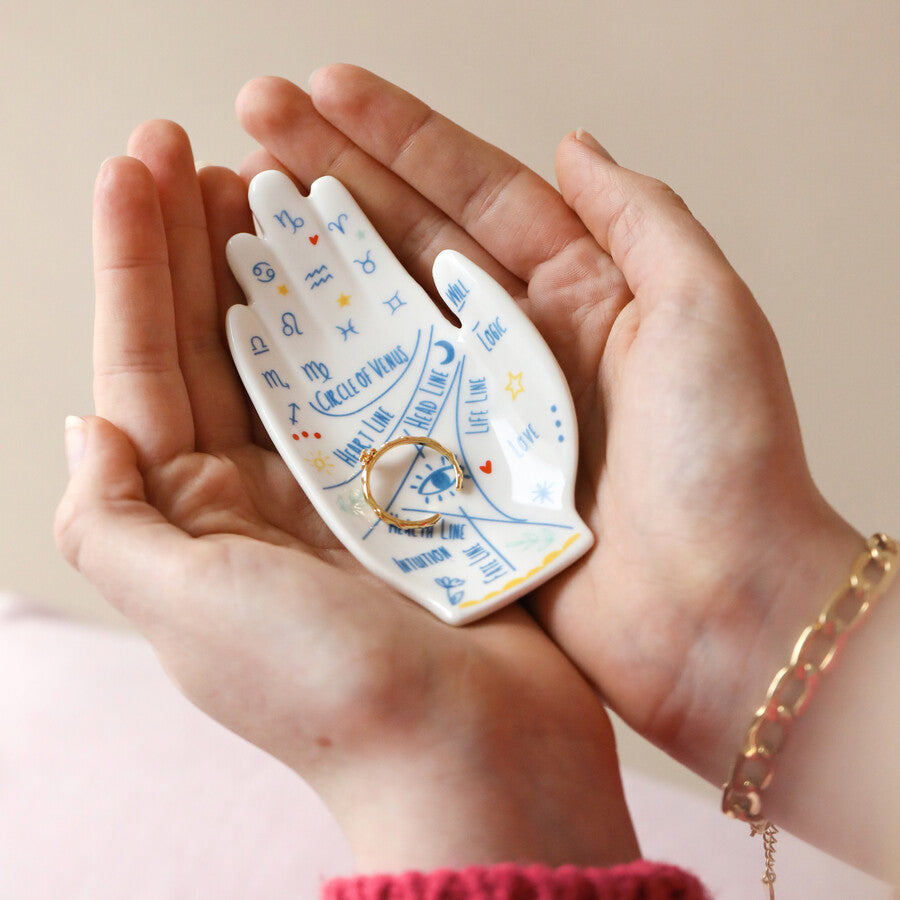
(341, 351)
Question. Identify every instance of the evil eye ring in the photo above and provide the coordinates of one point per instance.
(369, 457)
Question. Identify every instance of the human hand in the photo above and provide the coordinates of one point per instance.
(199, 534)
(712, 539)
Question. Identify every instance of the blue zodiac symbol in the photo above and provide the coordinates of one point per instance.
(294, 408)
(394, 303)
(263, 272)
(289, 325)
(368, 266)
(346, 332)
(448, 584)
(273, 379)
(319, 281)
(258, 345)
(284, 219)
(339, 224)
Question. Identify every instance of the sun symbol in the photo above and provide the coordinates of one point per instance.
(321, 463)
(542, 492)
(436, 482)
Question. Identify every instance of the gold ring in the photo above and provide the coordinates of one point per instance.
(369, 457)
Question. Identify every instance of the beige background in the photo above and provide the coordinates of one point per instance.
(778, 123)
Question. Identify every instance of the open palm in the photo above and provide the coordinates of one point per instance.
(188, 522)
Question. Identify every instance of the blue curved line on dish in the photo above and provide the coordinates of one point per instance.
(390, 387)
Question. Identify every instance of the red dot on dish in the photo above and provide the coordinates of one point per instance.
(305, 433)
(317, 435)
(296, 437)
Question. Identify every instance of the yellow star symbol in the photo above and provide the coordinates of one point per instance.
(282, 289)
(343, 300)
(514, 385)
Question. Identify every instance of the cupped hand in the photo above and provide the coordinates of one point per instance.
(714, 548)
(475, 745)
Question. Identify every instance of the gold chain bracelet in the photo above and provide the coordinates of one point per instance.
(793, 686)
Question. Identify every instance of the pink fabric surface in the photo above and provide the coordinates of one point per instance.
(113, 786)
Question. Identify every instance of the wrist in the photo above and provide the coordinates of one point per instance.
(454, 820)
(510, 779)
(836, 780)
(830, 776)
(783, 590)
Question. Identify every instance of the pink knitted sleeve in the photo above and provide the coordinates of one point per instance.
(639, 880)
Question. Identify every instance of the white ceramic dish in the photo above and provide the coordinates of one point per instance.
(341, 351)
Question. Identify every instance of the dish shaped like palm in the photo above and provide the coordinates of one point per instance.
(342, 351)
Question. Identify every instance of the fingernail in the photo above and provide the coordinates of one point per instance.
(586, 138)
(75, 441)
(312, 76)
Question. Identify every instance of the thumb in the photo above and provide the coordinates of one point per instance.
(107, 530)
(641, 222)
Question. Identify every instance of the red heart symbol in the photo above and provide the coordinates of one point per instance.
(486, 468)
(314, 239)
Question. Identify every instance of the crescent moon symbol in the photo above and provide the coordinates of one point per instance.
(448, 349)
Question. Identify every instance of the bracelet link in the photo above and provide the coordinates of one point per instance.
(742, 801)
(882, 556)
(817, 646)
(845, 609)
(792, 689)
(769, 731)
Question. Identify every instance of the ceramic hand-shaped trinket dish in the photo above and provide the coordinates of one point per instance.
(443, 457)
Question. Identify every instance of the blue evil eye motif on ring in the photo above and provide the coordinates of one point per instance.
(436, 482)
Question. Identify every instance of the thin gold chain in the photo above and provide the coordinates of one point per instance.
(768, 832)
